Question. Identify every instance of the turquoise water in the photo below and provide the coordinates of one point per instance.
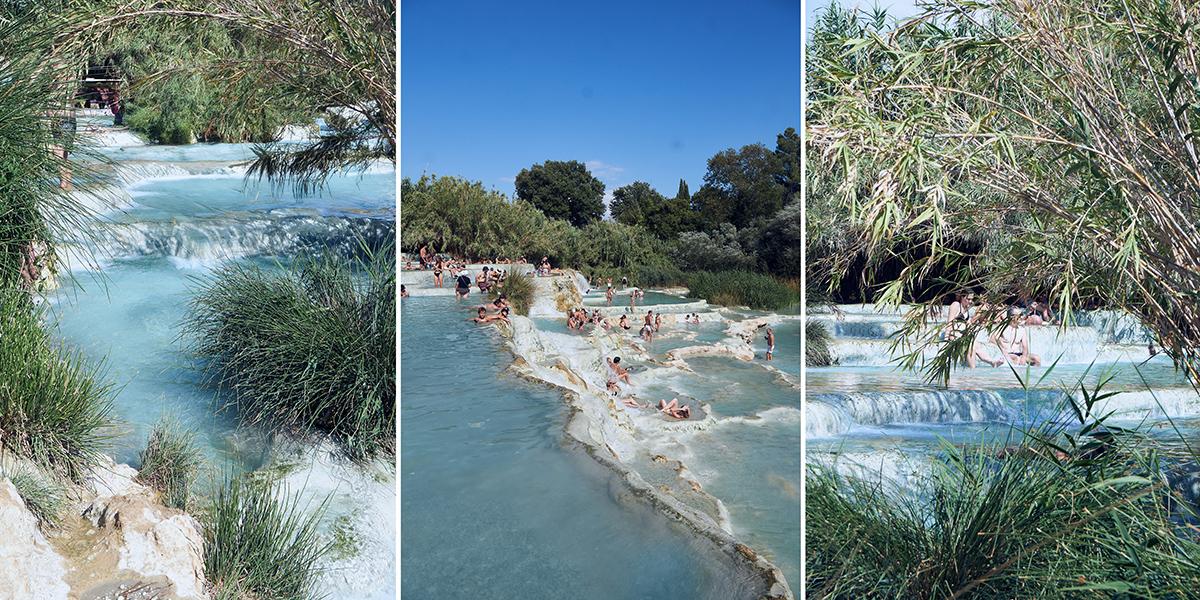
(598, 299)
(866, 412)
(128, 314)
(130, 320)
(495, 503)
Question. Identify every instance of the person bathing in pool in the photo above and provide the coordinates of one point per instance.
(770, 343)
(403, 291)
(463, 285)
(616, 373)
(1013, 340)
(959, 317)
(674, 409)
(623, 323)
(484, 318)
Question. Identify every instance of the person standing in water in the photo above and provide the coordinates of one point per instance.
(770, 343)
(437, 272)
(958, 319)
(608, 295)
(463, 285)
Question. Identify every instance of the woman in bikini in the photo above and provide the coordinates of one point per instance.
(1013, 340)
(623, 323)
(958, 319)
(437, 272)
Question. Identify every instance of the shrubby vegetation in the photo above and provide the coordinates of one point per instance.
(54, 409)
(745, 219)
(259, 543)
(742, 288)
(170, 462)
(1062, 514)
(307, 349)
(519, 289)
(43, 497)
(816, 344)
(999, 164)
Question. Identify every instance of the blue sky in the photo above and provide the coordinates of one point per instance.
(638, 90)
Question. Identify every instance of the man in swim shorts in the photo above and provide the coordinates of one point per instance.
(770, 343)
(463, 285)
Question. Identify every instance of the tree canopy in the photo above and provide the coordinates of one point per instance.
(563, 190)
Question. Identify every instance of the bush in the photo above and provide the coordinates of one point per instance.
(519, 289)
(718, 251)
(53, 409)
(816, 344)
(741, 288)
(1046, 519)
(170, 462)
(658, 276)
(258, 543)
(43, 497)
(306, 349)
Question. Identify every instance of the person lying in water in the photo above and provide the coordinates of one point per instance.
(1013, 340)
(674, 409)
(483, 318)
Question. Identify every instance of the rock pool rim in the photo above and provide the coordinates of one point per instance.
(741, 556)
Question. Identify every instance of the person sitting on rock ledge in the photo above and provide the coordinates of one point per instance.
(616, 373)
(623, 323)
(403, 291)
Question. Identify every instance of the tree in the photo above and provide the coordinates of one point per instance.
(683, 193)
(635, 203)
(787, 152)
(742, 186)
(563, 190)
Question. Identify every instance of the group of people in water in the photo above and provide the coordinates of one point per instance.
(1011, 339)
(498, 311)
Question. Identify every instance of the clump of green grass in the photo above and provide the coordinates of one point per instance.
(742, 288)
(816, 344)
(259, 542)
(170, 462)
(519, 289)
(54, 410)
(1062, 514)
(45, 498)
(305, 349)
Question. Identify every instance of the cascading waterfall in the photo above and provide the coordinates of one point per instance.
(866, 403)
(167, 211)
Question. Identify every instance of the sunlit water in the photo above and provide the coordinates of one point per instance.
(179, 221)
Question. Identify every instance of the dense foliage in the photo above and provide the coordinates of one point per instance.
(563, 190)
(170, 462)
(306, 349)
(1039, 150)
